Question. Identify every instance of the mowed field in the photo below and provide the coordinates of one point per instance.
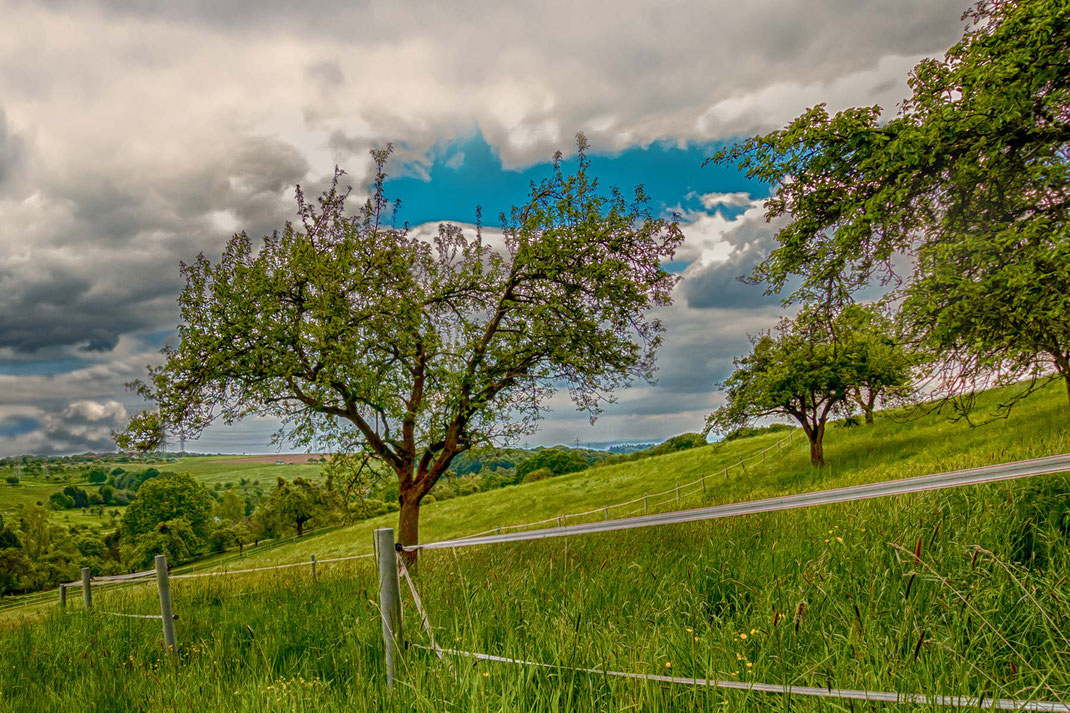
(961, 593)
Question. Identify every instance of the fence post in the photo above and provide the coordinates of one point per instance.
(726, 474)
(63, 596)
(677, 492)
(389, 599)
(312, 558)
(560, 520)
(703, 483)
(87, 591)
(163, 583)
(646, 508)
(607, 513)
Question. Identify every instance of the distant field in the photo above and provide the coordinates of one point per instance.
(210, 470)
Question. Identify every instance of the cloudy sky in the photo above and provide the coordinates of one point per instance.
(135, 134)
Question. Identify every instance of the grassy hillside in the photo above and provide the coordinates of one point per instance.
(960, 592)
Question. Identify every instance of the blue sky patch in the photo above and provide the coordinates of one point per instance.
(467, 173)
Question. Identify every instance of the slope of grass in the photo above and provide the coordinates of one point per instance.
(961, 592)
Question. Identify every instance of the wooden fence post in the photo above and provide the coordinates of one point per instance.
(677, 492)
(87, 591)
(63, 596)
(312, 560)
(163, 583)
(607, 513)
(389, 600)
(646, 508)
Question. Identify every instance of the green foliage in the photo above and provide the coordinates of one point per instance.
(535, 476)
(176, 538)
(169, 497)
(418, 350)
(557, 460)
(805, 372)
(97, 476)
(12, 479)
(144, 433)
(291, 505)
(971, 181)
(752, 431)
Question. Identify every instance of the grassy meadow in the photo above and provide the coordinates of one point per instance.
(961, 592)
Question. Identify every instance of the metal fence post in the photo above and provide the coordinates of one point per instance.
(87, 591)
(63, 596)
(389, 599)
(163, 583)
(312, 559)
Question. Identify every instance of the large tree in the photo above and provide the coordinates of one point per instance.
(360, 331)
(969, 186)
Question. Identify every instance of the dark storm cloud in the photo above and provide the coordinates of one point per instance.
(113, 267)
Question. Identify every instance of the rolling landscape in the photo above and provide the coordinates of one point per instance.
(535, 358)
(961, 592)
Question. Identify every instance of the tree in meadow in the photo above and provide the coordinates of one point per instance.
(348, 328)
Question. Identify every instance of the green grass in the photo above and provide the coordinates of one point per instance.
(962, 618)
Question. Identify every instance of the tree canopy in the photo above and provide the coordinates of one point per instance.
(807, 369)
(169, 496)
(357, 330)
(966, 190)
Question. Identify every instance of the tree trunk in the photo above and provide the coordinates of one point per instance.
(300, 527)
(817, 453)
(817, 450)
(409, 523)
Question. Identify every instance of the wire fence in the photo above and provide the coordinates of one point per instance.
(940, 481)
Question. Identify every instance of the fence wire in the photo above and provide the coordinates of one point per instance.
(938, 481)
(1008, 704)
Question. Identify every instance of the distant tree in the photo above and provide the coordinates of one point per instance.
(558, 461)
(883, 364)
(36, 531)
(97, 475)
(971, 182)
(292, 504)
(169, 497)
(177, 539)
(367, 335)
(79, 496)
(231, 509)
(61, 501)
(801, 371)
(15, 566)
